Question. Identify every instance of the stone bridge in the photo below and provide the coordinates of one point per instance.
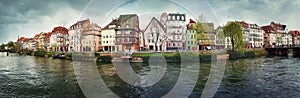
(283, 51)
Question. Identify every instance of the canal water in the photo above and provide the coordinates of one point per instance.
(29, 76)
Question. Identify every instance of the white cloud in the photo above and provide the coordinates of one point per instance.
(261, 12)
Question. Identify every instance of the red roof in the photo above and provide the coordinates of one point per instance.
(268, 29)
(243, 24)
(48, 35)
(21, 39)
(192, 21)
(277, 26)
(37, 35)
(60, 29)
(296, 32)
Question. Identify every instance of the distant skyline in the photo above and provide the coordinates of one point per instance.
(29, 17)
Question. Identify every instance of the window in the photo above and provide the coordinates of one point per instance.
(127, 32)
(127, 26)
(148, 40)
(118, 32)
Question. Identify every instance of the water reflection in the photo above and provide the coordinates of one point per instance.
(28, 76)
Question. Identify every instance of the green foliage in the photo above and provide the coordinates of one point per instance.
(2, 47)
(234, 31)
(10, 44)
(198, 26)
(40, 53)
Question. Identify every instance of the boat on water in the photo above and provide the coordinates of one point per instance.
(127, 58)
(59, 56)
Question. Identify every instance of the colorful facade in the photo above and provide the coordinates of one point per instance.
(191, 37)
(91, 39)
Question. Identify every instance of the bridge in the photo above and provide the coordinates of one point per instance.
(283, 51)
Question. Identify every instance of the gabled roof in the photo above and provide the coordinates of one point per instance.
(159, 23)
(36, 36)
(21, 39)
(113, 22)
(82, 22)
(243, 24)
(277, 26)
(189, 26)
(48, 35)
(268, 29)
(192, 21)
(124, 18)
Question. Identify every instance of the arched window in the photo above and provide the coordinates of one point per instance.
(127, 25)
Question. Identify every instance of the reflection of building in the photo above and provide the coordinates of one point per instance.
(191, 37)
(91, 39)
(175, 28)
(127, 33)
(59, 38)
(75, 34)
(155, 36)
(108, 34)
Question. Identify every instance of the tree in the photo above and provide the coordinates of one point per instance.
(234, 31)
(2, 47)
(10, 44)
(199, 27)
(220, 37)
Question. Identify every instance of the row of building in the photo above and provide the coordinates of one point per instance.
(169, 33)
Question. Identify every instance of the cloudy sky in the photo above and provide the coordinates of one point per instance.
(29, 17)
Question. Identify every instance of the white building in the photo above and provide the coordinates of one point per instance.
(253, 35)
(59, 39)
(155, 36)
(287, 39)
(175, 28)
(75, 35)
(256, 36)
(108, 35)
